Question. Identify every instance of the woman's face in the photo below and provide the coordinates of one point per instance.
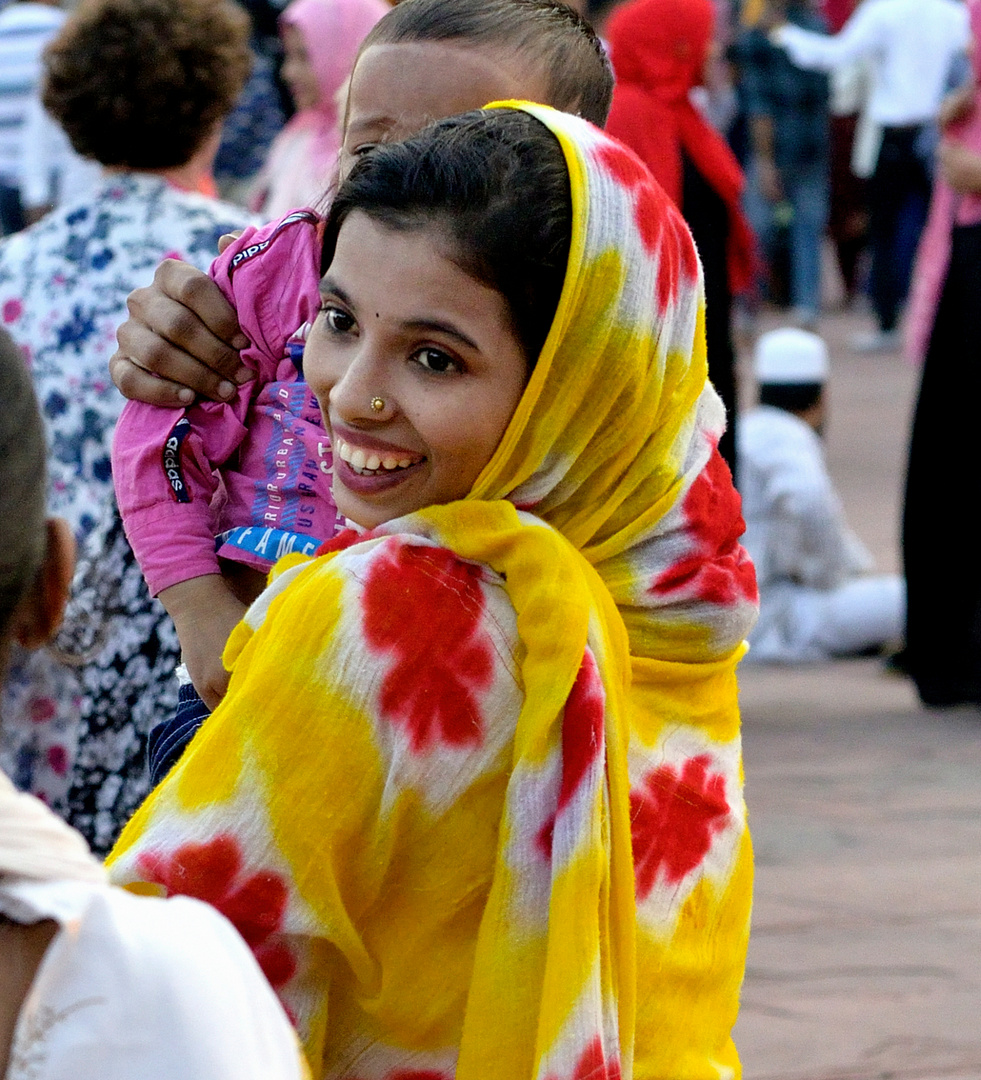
(417, 369)
(297, 70)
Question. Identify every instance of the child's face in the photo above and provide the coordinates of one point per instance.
(397, 90)
(417, 369)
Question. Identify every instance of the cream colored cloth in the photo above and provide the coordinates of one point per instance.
(137, 987)
(36, 844)
(130, 986)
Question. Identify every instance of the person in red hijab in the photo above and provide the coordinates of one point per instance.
(659, 50)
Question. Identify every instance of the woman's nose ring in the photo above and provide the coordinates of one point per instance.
(377, 404)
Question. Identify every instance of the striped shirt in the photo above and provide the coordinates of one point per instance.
(25, 28)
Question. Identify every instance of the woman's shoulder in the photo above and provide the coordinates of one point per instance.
(398, 569)
(394, 593)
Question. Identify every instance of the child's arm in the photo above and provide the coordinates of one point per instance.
(164, 468)
(205, 611)
(165, 464)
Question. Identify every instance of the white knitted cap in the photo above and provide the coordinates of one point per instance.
(789, 355)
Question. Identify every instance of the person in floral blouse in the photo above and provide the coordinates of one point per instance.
(142, 87)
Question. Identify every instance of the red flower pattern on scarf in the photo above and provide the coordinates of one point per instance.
(582, 739)
(342, 541)
(717, 570)
(211, 871)
(661, 228)
(593, 1065)
(674, 816)
(424, 606)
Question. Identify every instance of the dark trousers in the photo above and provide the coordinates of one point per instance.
(11, 211)
(943, 491)
(899, 195)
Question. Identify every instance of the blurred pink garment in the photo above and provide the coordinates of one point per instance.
(303, 155)
(948, 209)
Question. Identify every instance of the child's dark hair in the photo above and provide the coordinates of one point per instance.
(22, 481)
(551, 34)
(497, 183)
(791, 397)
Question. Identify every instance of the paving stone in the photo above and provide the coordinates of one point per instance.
(865, 957)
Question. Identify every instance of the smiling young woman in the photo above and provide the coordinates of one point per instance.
(474, 795)
(442, 356)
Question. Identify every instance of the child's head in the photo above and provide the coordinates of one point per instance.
(428, 59)
(791, 368)
(442, 281)
(469, 177)
(35, 558)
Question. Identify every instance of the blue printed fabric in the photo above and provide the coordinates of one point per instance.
(76, 717)
(63, 289)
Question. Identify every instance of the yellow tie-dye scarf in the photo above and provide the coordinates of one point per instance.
(474, 795)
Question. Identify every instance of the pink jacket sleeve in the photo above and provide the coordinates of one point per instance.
(167, 463)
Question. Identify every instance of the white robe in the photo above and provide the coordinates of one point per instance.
(129, 986)
(815, 598)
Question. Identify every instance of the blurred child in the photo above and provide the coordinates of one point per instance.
(321, 39)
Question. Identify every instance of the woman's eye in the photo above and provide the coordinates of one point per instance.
(436, 360)
(337, 319)
(365, 148)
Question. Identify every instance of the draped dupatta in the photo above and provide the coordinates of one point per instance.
(512, 719)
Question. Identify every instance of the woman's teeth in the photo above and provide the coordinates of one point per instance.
(370, 462)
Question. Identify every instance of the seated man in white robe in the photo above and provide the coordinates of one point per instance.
(818, 598)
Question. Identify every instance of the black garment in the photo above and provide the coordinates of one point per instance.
(943, 491)
(708, 218)
(899, 194)
(11, 211)
(170, 739)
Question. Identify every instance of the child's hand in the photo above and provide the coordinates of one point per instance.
(205, 611)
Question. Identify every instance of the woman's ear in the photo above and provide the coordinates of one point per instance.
(39, 613)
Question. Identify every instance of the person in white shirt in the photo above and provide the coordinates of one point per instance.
(26, 26)
(817, 597)
(96, 983)
(912, 46)
(52, 172)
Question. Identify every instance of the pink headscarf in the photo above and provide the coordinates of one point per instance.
(947, 209)
(333, 31)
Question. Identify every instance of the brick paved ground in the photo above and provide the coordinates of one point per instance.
(865, 960)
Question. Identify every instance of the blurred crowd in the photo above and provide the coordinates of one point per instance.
(798, 138)
(780, 128)
(777, 126)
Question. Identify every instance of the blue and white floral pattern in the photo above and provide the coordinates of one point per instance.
(63, 289)
(76, 717)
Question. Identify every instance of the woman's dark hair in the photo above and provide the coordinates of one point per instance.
(553, 37)
(141, 84)
(496, 181)
(22, 481)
